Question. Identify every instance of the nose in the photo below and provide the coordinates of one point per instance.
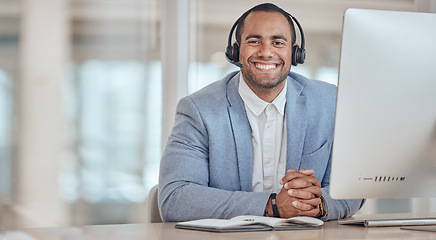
(266, 50)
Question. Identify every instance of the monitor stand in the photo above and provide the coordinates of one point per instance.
(428, 228)
(392, 220)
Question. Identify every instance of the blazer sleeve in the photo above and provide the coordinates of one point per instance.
(184, 192)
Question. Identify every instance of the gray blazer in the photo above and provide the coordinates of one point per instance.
(206, 168)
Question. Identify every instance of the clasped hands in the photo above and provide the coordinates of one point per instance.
(299, 196)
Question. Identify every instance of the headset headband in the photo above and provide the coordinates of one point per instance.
(298, 53)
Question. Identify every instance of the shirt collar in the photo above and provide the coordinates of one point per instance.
(256, 104)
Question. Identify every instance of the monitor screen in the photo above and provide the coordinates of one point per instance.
(385, 128)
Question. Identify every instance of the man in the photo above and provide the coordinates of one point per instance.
(236, 144)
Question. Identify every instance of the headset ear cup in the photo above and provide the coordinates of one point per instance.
(235, 53)
(229, 53)
(295, 49)
(301, 56)
(298, 55)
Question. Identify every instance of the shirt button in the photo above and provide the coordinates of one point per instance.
(268, 160)
(269, 125)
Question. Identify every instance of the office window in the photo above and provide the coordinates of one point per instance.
(6, 115)
(328, 74)
(9, 43)
(115, 108)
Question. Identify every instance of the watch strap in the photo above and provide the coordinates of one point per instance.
(274, 205)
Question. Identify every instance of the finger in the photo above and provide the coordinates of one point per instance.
(306, 205)
(306, 193)
(315, 202)
(307, 171)
(299, 183)
(302, 170)
(300, 194)
(286, 178)
(302, 182)
(302, 206)
(291, 174)
(311, 213)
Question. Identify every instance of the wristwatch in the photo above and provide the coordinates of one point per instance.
(274, 205)
(322, 208)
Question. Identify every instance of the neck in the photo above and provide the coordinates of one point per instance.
(267, 94)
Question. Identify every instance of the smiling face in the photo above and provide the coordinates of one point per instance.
(265, 52)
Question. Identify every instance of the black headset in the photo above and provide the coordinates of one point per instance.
(298, 54)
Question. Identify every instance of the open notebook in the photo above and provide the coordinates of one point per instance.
(251, 223)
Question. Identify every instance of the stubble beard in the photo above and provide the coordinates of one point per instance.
(262, 83)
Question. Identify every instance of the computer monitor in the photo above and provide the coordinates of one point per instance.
(385, 129)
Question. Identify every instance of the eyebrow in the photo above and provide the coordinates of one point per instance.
(280, 37)
(273, 37)
(253, 36)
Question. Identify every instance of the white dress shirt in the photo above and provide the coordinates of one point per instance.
(268, 126)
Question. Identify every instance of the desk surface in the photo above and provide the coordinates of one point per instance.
(331, 230)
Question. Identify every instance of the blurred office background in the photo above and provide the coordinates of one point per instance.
(88, 90)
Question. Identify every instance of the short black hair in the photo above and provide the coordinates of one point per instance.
(266, 7)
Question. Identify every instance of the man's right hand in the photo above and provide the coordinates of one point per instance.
(305, 198)
(285, 205)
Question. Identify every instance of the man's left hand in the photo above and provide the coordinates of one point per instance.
(303, 186)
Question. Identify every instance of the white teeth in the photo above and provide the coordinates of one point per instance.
(266, 67)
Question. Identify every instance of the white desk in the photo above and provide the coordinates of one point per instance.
(331, 230)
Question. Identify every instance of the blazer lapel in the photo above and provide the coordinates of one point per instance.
(296, 123)
(242, 134)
